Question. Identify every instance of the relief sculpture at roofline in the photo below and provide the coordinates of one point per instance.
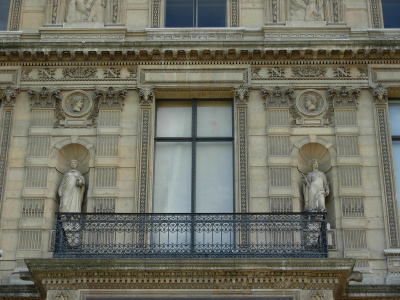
(307, 10)
(85, 11)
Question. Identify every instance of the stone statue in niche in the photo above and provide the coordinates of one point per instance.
(71, 190)
(85, 11)
(307, 10)
(315, 188)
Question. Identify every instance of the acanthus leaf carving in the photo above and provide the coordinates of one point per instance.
(277, 97)
(9, 96)
(146, 96)
(44, 98)
(241, 94)
(344, 97)
(379, 93)
(110, 98)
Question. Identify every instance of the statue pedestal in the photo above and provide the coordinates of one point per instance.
(83, 25)
(305, 24)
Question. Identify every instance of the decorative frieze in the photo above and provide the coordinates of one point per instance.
(341, 72)
(350, 176)
(355, 239)
(36, 177)
(309, 71)
(109, 118)
(281, 205)
(279, 145)
(106, 177)
(107, 145)
(39, 146)
(280, 176)
(30, 240)
(104, 205)
(79, 72)
(347, 145)
(352, 207)
(33, 208)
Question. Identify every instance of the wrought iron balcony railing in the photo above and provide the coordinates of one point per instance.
(191, 235)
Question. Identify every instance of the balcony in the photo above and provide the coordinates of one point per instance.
(252, 235)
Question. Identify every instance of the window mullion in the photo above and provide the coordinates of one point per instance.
(194, 136)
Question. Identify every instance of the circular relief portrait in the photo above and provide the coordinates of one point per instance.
(77, 103)
(311, 103)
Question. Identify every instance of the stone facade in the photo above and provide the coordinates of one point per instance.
(273, 57)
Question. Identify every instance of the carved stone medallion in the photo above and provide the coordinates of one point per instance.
(77, 104)
(311, 103)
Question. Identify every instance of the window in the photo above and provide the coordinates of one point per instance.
(4, 10)
(195, 13)
(193, 157)
(394, 114)
(391, 11)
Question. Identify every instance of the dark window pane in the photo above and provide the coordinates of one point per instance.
(211, 13)
(179, 13)
(4, 9)
(391, 13)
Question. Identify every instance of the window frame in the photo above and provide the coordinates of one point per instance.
(194, 139)
(195, 16)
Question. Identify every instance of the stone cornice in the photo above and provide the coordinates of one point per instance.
(191, 273)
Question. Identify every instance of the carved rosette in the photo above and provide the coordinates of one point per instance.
(146, 96)
(379, 93)
(241, 94)
(277, 97)
(44, 98)
(311, 108)
(344, 96)
(9, 96)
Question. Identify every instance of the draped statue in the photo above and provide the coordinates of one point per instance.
(307, 10)
(71, 190)
(315, 188)
(85, 11)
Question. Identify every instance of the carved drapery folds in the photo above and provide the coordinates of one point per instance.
(44, 98)
(279, 11)
(380, 97)
(109, 12)
(343, 97)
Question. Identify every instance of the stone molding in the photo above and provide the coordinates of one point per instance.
(156, 12)
(44, 98)
(243, 274)
(380, 97)
(16, 6)
(344, 97)
(376, 13)
(241, 96)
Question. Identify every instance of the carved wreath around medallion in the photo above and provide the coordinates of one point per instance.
(77, 103)
(311, 103)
